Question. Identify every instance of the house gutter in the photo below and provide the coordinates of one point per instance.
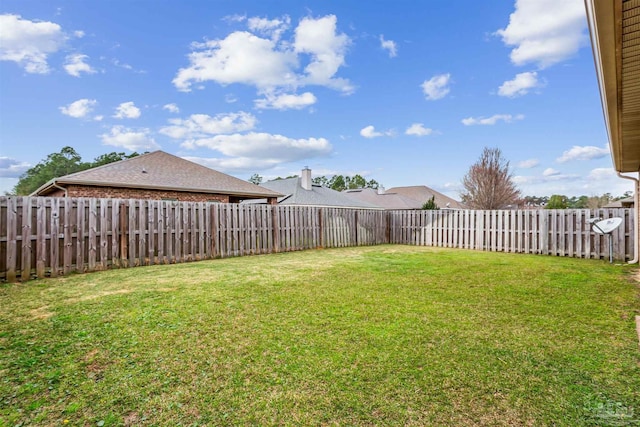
(54, 185)
(636, 200)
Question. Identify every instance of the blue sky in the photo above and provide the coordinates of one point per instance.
(404, 92)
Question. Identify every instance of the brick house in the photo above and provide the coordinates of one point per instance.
(159, 176)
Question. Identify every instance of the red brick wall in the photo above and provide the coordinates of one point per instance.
(133, 193)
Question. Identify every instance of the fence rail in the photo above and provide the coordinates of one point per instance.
(47, 237)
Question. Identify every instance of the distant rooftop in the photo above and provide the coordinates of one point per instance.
(385, 200)
(317, 195)
(422, 194)
(161, 171)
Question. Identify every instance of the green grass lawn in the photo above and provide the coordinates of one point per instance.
(387, 335)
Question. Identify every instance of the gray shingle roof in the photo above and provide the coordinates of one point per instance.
(317, 196)
(422, 194)
(386, 200)
(162, 171)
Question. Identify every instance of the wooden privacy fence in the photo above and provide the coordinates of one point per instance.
(48, 237)
(546, 232)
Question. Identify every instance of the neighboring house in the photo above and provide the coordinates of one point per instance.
(302, 192)
(422, 194)
(157, 175)
(613, 28)
(622, 203)
(383, 199)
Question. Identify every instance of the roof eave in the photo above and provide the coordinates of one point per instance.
(46, 186)
(605, 27)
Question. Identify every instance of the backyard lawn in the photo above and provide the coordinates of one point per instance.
(386, 335)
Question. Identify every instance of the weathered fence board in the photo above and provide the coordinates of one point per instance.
(42, 237)
(547, 232)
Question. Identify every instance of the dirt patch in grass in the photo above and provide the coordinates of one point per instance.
(132, 419)
(40, 313)
(97, 295)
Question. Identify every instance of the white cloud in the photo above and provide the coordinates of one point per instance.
(602, 173)
(389, 46)
(126, 66)
(259, 150)
(545, 32)
(12, 168)
(418, 129)
(550, 172)
(596, 182)
(371, 132)
(587, 152)
(230, 98)
(272, 28)
(78, 34)
(528, 164)
(543, 179)
(453, 187)
(437, 87)
(29, 43)
(241, 57)
(235, 164)
(605, 180)
(130, 139)
(202, 125)
(172, 108)
(286, 101)
(234, 18)
(319, 38)
(127, 110)
(75, 64)
(490, 121)
(268, 64)
(80, 108)
(520, 85)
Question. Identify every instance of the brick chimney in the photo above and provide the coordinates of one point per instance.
(306, 178)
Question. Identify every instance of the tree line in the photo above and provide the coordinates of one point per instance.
(55, 165)
(559, 201)
(335, 182)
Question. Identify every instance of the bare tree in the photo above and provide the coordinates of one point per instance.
(489, 184)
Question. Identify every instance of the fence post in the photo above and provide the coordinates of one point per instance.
(123, 234)
(41, 243)
(355, 215)
(25, 275)
(320, 228)
(275, 220)
(12, 241)
(55, 236)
